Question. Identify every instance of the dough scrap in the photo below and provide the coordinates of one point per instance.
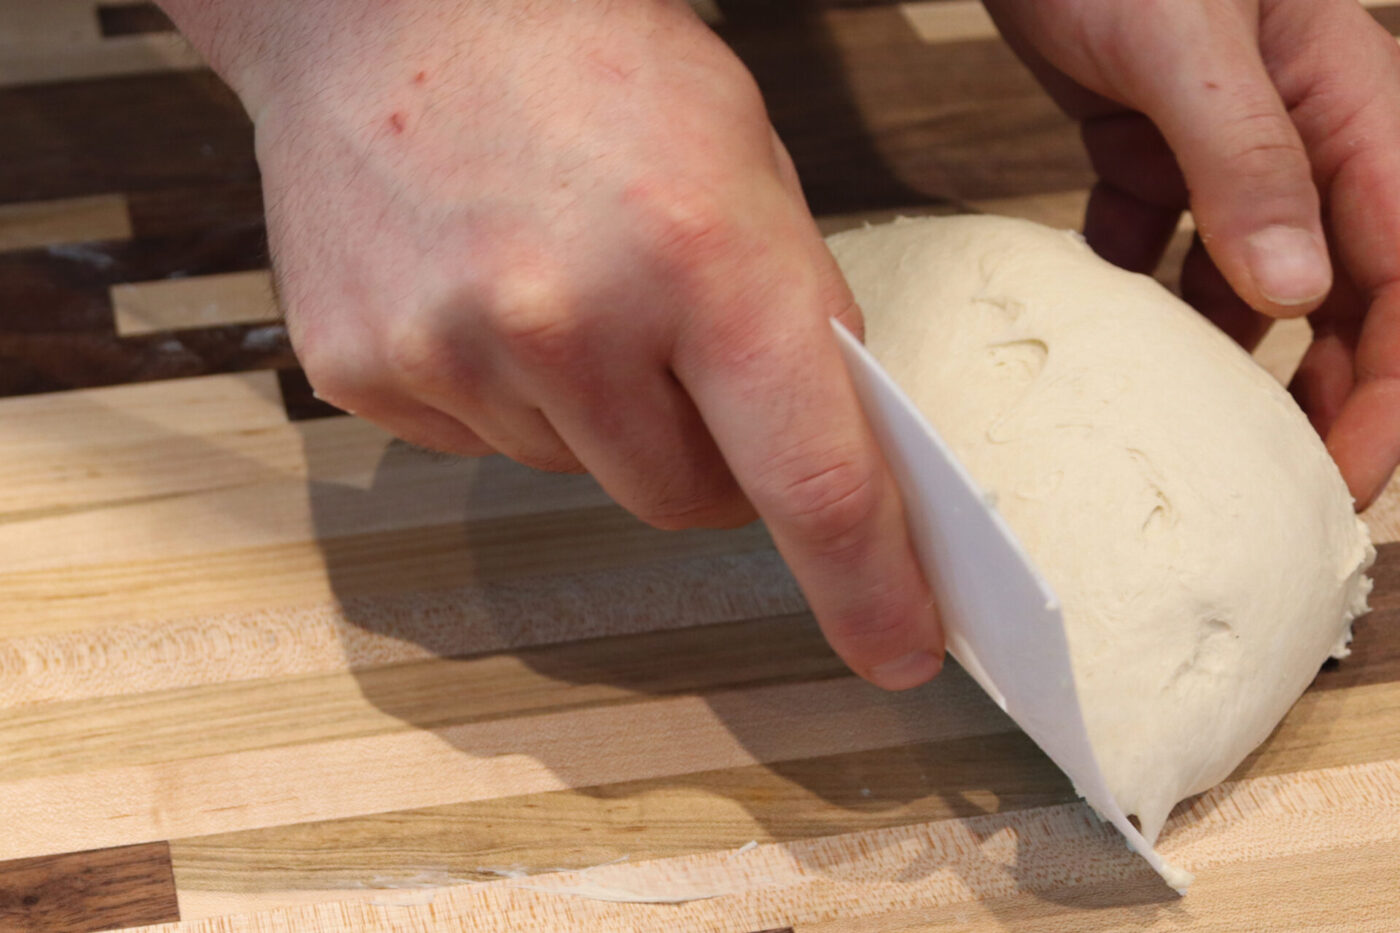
(1200, 539)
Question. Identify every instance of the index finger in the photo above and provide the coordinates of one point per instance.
(770, 383)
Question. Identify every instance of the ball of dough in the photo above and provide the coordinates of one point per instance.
(1200, 539)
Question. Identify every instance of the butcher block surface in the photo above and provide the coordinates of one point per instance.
(263, 668)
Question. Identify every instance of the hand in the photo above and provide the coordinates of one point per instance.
(568, 233)
(1249, 109)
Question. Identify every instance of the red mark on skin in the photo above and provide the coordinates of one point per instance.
(396, 122)
(1212, 86)
(420, 77)
(614, 70)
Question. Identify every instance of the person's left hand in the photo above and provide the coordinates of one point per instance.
(1277, 122)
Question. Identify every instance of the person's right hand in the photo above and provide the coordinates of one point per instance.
(567, 232)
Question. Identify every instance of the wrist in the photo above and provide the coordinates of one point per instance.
(235, 38)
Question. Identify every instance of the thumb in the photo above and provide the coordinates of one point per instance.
(1204, 84)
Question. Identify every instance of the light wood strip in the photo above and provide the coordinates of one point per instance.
(1283, 347)
(553, 751)
(410, 490)
(356, 634)
(948, 21)
(53, 425)
(942, 21)
(1059, 851)
(63, 473)
(318, 572)
(1286, 893)
(710, 811)
(53, 22)
(168, 725)
(197, 301)
(79, 476)
(72, 220)
(631, 821)
(108, 57)
(1383, 517)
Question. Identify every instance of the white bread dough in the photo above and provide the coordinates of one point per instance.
(1200, 539)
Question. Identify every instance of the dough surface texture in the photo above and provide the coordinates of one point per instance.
(1201, 541)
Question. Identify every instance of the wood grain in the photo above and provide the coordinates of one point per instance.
(127, 18)
(362, 687)
(358, 633)
(126, 134)
(1269, 893)
(478, 761)
(149, 727)
(945, 21)
(81, 891)
(137, 414)
(74, 220)
(711, 811)
(197, 301)
(1291, 820)
(950, 20)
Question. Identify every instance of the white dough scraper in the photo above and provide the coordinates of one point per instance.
(1002, 620)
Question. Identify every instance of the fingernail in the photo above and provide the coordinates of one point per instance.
(1289, 265)
(909, 671)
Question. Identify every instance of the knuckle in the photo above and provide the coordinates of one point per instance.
(689, 225)
(874, 631)
(831, 505)
(536, 320)
(700, 508)
(415, 350)
(419, 352)
(734, 342)
(669, 516)
(334, 378)
(558, 461)
(1265, 147)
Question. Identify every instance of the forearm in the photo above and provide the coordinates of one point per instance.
(231, 33)
(261, 45)
(258, 46)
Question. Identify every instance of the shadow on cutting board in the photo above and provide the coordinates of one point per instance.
(727, 661)
(548, 670)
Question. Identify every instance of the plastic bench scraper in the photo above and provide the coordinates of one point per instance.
(1003, 622)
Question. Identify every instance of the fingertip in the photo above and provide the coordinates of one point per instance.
(1366, 476)
(881, 619)
(908, 671)
(1290, 269)
(1365, 439)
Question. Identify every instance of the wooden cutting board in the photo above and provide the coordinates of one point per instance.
(264, 669)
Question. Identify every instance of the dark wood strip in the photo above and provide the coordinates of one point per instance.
(81, 891)
(586, 674)
(174, 211)
(64, 289)
(876, 118)
(129, 19)
(31, 363)
(722, 809)
(657, 818)
(174, 129)
(1375, 646)
(780, 801)
(299, 398)
(1388, 16)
